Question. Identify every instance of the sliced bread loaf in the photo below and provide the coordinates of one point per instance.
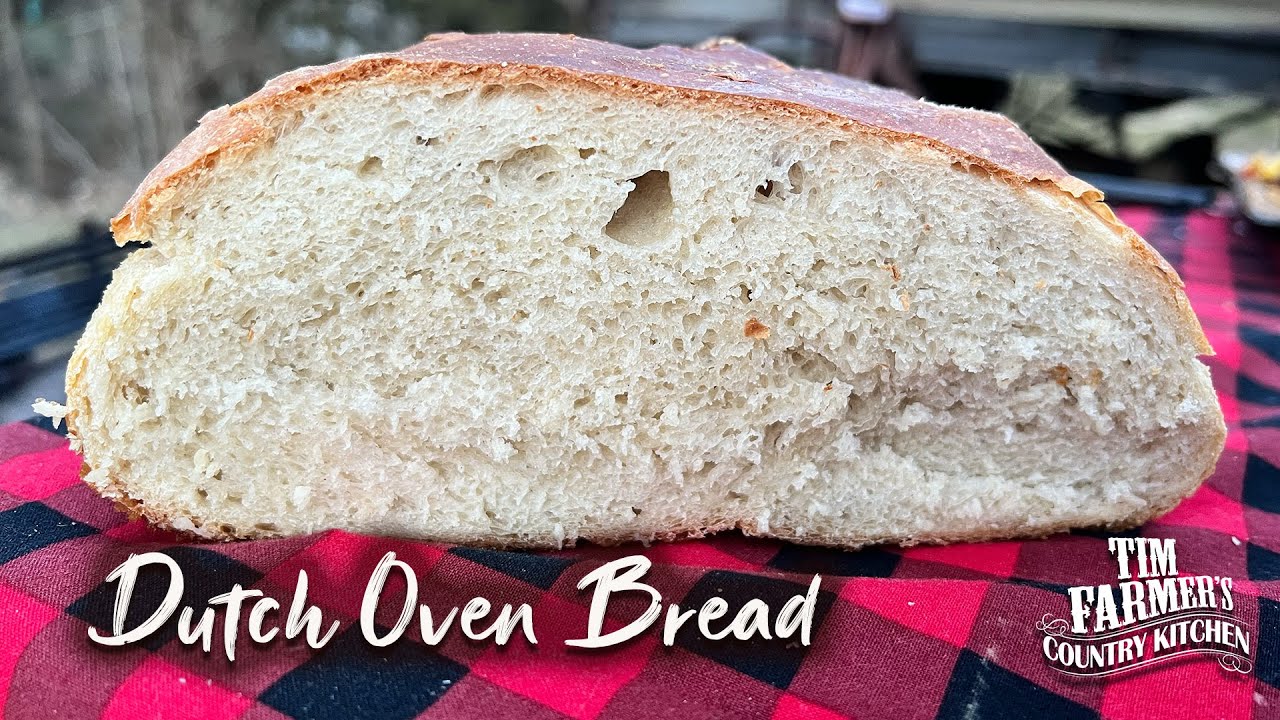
(521, 290)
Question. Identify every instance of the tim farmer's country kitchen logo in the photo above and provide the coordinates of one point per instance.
(1150, 615)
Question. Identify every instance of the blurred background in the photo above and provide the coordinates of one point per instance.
(1174, 103)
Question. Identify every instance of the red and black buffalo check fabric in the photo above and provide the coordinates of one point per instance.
(923, 632)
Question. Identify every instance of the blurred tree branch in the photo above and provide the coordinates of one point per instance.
(24, 100)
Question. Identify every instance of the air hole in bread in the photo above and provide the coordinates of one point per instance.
(425, 141)
(135, 393)
(811, 366)
(690, 322)
(795, 176)
(765, 190)
(371, 167)
(531, 89)
(526, 163)
(644, 218)
(773, 433)
(585, 153)
(453, 98)
(969, 167)
(480, 202)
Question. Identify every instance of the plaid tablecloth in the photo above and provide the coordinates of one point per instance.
(899, 633)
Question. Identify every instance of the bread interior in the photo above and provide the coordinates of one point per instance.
(528, 313)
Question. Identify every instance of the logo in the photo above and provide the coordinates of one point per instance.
(1150, 615)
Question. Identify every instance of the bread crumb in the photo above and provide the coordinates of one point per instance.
(57, 411)
(756, 330)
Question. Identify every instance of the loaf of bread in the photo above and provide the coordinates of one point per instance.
(520, 290)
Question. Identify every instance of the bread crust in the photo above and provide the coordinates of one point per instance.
(720, 74)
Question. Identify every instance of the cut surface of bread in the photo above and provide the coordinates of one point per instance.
(523, 290)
